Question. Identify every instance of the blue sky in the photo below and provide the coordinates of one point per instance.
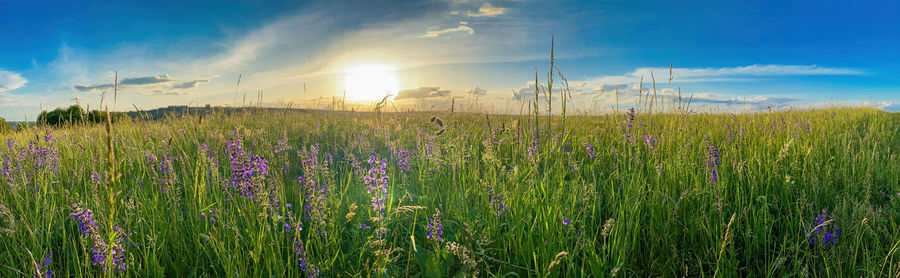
(740, 56)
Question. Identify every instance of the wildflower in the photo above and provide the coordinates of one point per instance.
(629, 122)
(630, 115)
(109, 256)
(310, 160)
(589, 149)
(497, 202)
(315, 203)
(566, 221)
(712, 159)
(97, 178)
(43, 268)
(248, 171)
(650, 141)
(48, 137)
(282, 144)
(85, 219)
(533, 154)
(376, 180)
(435, 227)
(821, 230)
(402, 157)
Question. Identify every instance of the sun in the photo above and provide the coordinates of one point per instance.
(370, 82)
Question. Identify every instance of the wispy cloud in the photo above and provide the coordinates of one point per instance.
(133, 81)
(193, 83)
(9, 100)
(487, 10)
(463, 27)
(884, 105)
(91, 88)
(421, 92)
(156, 81)
(477, 91)
(724, 74)
(11, 80)
(147, 80)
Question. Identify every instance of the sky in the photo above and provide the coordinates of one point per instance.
(480, 55)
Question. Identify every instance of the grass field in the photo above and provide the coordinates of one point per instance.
(798, 193)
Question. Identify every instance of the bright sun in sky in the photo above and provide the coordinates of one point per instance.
(370, 82)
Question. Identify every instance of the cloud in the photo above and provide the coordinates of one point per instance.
(883, 105)
(421, 92)
(487, 10)
(9, 100)
(477, 91)
(714, 98)
(91, 88)
(526, 94)
(437, 33)
(193, 83)
(147, 80)
(11, 80)
(723, 74)
(162, 80)
(134, 81)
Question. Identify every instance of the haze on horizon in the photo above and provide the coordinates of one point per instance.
(729, 56)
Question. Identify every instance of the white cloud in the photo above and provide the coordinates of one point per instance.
(421, 92)
(883, 105)
(11, 81)
(146, 80)
(724, 74)
(477, 91)
(9, 100)
(487, 10)
(155, 84)
(460, 28)
(193, 83)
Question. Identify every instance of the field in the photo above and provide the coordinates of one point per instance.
(341, 194)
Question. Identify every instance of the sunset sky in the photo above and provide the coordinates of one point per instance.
(731, 56)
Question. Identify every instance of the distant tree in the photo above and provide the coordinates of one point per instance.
(74, 115)
(4, 126)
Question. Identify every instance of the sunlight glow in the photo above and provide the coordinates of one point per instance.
(370, 82)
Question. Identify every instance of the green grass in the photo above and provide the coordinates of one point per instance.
(634, 210)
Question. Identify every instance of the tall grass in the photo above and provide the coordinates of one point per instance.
(604, 196)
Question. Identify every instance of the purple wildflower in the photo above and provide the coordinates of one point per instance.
(566, 221)
(376, 180)
(629, 122)
(85, 218)
(821, 229)
(97, 178)
(108, 256)
(43, 268)
(315, 203)
(402, 157)
(712, 159)
(533, 155)
(650, 141)
(497, 202)
(589, 149)
(248, 171)
(435, 227)
(282, 144)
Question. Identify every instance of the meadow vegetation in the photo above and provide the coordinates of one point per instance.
(633, 193)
